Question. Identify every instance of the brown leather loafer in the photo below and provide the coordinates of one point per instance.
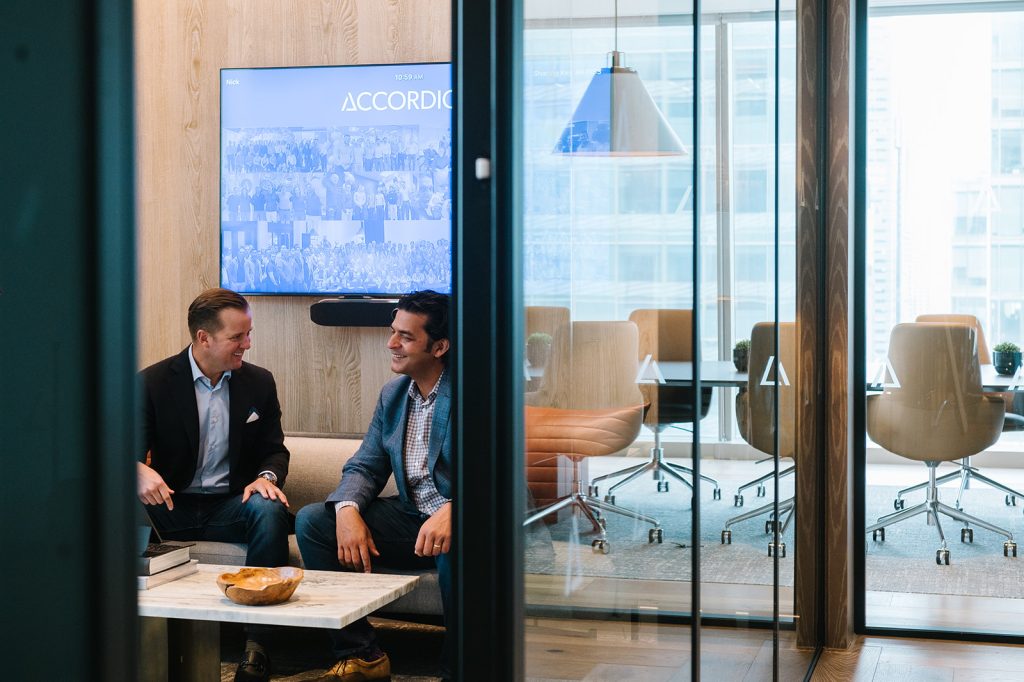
(358, 670)
(254, 667)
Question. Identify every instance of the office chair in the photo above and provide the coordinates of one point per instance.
(758, 408)
(588, 406)
(1011, 422)
(665, 335)
(545, 484)
(937, 413)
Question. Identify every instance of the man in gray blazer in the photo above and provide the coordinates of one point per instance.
(409, 436)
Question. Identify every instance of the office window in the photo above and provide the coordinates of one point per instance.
(751, 195)
(639, 190)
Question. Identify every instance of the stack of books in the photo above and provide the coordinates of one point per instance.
(165, 561)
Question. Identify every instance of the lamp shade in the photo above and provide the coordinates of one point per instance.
(617, 117)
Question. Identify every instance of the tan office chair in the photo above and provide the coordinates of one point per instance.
(1011, 422)
(758, 408)
(936, 413)
(543, 479)
(665, 335)
(588, 406)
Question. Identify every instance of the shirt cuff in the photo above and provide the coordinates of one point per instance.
(338, 506)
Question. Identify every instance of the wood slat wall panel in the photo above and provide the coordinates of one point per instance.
(838, 230)
(809, 318)
(328, 378)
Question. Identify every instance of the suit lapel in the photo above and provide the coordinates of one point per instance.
(184, 391)
(439, 424)
(395, 445)
(238, 398)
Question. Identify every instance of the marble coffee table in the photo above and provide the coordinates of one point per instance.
(181, 619)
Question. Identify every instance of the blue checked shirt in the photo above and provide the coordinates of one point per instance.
(416, 448)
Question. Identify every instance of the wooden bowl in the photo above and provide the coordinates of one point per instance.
(260, 586)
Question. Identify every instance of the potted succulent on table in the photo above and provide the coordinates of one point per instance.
(538, 348)
(740, 355)
(1006, 358)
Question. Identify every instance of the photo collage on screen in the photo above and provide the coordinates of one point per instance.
(346, 209)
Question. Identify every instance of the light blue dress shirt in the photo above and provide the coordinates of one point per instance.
(214, 402)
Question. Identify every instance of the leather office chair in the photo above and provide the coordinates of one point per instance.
(543, 479)
(1011, 422)
(758, 405)
(937, 413)
(665, 335)
(588, 406)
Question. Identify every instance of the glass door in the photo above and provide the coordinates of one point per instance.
(658, 339)
(944, 246)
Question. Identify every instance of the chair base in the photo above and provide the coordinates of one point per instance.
(659, 465)
(966, 474)
(933, 508)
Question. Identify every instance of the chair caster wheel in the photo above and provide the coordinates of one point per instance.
(593, 490)
(600, 546)
(781, 548)
(717, 494)
(966, 535)
(737, 500)
(610, 499)
(761, 491)
(1010, 548)
(662, 486)
(878, 535)
(1011, 500)
(942, 556)
(898, 503)
(654, 535)
(726, 537)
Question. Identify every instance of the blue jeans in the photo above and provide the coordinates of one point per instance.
(262, 524)
(394, 526)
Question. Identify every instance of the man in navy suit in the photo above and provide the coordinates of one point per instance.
(217, 460)
(409, 436)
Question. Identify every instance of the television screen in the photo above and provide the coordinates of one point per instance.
(336, 179)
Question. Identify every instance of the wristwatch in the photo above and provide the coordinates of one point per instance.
(270, 476)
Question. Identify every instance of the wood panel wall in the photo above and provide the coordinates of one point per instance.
(838, 233)
(328, 378)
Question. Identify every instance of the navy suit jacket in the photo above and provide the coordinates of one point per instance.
(172, 424)
(366, 473)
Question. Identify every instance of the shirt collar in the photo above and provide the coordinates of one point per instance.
(414, 391)
(197, 373)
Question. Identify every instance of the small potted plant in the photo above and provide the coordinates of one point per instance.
(1006, 358)
(538, 348)
(740, 355)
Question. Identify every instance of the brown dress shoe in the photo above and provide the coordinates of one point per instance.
(358, 670)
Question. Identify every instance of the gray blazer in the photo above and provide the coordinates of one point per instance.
(380, 455)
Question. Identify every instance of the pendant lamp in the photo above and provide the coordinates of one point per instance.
(617, 117)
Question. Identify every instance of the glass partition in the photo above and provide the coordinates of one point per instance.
(945, 253)
(631, 300)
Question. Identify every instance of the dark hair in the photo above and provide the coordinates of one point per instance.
(434, 306)
(204, 312)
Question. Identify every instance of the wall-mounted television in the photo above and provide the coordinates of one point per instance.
(336, 179)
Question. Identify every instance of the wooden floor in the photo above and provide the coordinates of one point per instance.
(882, 659)
(620, 651)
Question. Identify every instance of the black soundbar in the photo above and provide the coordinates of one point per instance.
(353, 312)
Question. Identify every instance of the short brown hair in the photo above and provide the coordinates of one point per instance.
(204, 312)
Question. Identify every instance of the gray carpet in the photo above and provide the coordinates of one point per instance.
(905, 562)
(564, 548)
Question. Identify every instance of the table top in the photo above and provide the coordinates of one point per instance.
(324, 599)
(712, 373)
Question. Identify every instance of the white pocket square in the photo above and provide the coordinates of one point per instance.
(252, 417)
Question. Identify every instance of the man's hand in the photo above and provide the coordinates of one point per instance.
(435, 535)
(151, 487)
(266, 489)
(355, 543)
